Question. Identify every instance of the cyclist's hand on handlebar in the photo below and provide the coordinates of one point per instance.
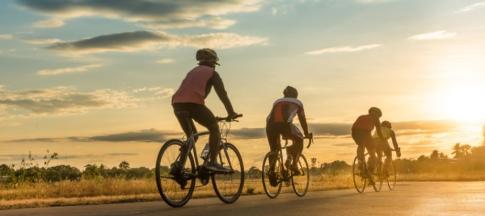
(233, 116)
(309, 136)
(398, 152)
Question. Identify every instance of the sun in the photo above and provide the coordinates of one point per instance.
(459, 87)
(464, 103)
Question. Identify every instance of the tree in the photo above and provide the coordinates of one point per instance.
(435, 155)
(314, 162)
(457, 151)
(124, 165)
(254, 172)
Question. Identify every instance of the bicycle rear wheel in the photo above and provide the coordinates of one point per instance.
(301, 182)
(228, 186)
(272, 191)
(360, 181)
(392, 178)
(171, 191)
(378, 177)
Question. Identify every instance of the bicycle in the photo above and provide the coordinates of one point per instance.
(176, 188)
(374, 177)
(391, 176)
(362, 176)
(299, 182)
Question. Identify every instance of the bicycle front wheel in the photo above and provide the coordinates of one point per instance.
(360, 181)
(301, 182)
(228, 186)
(392, 178)
(272, 191)
(175, 189)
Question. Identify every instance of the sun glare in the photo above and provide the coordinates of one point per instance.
(460, 93)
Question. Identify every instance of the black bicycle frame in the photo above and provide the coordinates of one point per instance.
(190, 146)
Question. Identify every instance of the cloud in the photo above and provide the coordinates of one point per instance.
(249, 133)
(153, 14)
(49, 23)
(343, 49)
(472, 7)
(68, 70)
(437, 35)
(145, 40)
(150, 135)
(38, 41)
(6, 36)
(165, 61)
(372, 1)
(157, 91)
(64, 100)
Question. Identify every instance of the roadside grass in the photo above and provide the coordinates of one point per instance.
(112, 190)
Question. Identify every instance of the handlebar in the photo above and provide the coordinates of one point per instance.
(229, 119)
(310, 139)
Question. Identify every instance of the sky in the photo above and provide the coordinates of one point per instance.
(92, 79)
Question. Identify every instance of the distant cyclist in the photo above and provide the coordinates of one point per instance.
(280, 122)
(190, 99)
(362, 135)
(382, 145)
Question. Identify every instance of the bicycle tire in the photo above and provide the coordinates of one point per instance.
(234, 197)
(305, 171)
(392, 178)
(167, 191)
(357, 176)
(265, 178)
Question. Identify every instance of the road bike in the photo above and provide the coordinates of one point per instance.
(299, 182)
(362, 176)
(178, 168)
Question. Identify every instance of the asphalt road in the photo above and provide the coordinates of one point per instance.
(423, 198)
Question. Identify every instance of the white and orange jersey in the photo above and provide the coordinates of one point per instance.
(285, 109)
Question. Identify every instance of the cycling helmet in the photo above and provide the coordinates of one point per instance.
(290, 92)
(207, 55)
(375, 111)
(386, 124)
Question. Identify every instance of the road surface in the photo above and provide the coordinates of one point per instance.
(420, 198)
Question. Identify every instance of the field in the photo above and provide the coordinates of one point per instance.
(111, 190)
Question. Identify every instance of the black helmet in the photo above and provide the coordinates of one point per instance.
(375, 111)
(207, 55)
(386, 124)
(290, 92)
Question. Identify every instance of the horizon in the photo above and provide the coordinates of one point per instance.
(79, 78)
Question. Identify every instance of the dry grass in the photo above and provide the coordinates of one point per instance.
(101, 191)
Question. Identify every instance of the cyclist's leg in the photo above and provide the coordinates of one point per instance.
(371, 149)
(181, 110)
(297, 147)
(274, 143)
(357, 136)
(388, 153)
(202, 115)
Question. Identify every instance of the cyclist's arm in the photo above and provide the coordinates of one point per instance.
(302, 119)
(378, 129)
(221, 93)
(394, 140)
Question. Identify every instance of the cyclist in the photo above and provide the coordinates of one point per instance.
(382, 145)
(280, 122)
(361, 133)
(189, 99)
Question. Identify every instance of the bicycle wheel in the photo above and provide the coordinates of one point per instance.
(392, 178)
(301, 182)
(270, 190)
(228, 186)
(170, 190)
(358, 177)
(378, 177)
